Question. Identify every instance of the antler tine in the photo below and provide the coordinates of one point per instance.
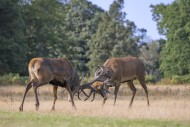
(101, 68)
(88, 95)
(84, 93)
(92, 90)
(81, 90)
(87, 86)
(102, 91)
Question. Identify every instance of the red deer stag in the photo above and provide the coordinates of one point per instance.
(58, 72)
(120, 70)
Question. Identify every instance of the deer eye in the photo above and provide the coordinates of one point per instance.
(99, 72)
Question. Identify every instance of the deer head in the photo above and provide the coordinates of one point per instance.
(103, 74)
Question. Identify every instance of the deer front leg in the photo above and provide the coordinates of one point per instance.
(117, 85)
(55, 96)
(71, 95)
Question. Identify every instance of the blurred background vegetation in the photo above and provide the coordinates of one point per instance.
(88, 35)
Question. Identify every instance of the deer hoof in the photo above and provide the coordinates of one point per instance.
(53, 109)
(20, 109)
(37, 107)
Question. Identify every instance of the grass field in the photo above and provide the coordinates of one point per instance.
(169, 107)
(16, 119)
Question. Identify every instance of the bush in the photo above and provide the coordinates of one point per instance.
(176, 79)
(86, 80)
(150, 78)
(165, 81)
(13, 79)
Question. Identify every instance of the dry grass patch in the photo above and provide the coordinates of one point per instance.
(159, 109)
(173, 105)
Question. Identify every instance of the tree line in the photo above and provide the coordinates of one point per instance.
(88, 35)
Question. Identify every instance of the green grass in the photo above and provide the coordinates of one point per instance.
(23, 119)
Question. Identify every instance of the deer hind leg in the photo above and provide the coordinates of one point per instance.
(133, 89)
(35, 86)
(26, 91)
(55, 96)
(143, 84)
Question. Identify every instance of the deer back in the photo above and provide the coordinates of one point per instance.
(49, 68)
(125, 68)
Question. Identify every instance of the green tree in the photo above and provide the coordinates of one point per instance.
(115, 11)
(149, 54)
(173, 20)
(45, 32)
(12, 38)
(115, 37)
(81, 23)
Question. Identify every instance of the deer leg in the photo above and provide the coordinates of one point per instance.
(55, 96)
(104, 101)
(94, 94)
(133, 89)
(71, 95)
(143, 84)
(103, 94)
(116, 92)
(35, 86)
(69, 98)
(26, 91)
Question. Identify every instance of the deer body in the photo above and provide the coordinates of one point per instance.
(58, 72)
(120, 70)
(126, 68)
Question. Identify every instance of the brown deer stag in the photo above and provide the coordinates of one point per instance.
(120, 70)
(58, 72)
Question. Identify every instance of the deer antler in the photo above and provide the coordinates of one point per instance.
(86, 86)
(100, 88)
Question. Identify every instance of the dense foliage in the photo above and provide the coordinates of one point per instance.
(88, 35)
(174, 21)
(13, 47)
(77, 29)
